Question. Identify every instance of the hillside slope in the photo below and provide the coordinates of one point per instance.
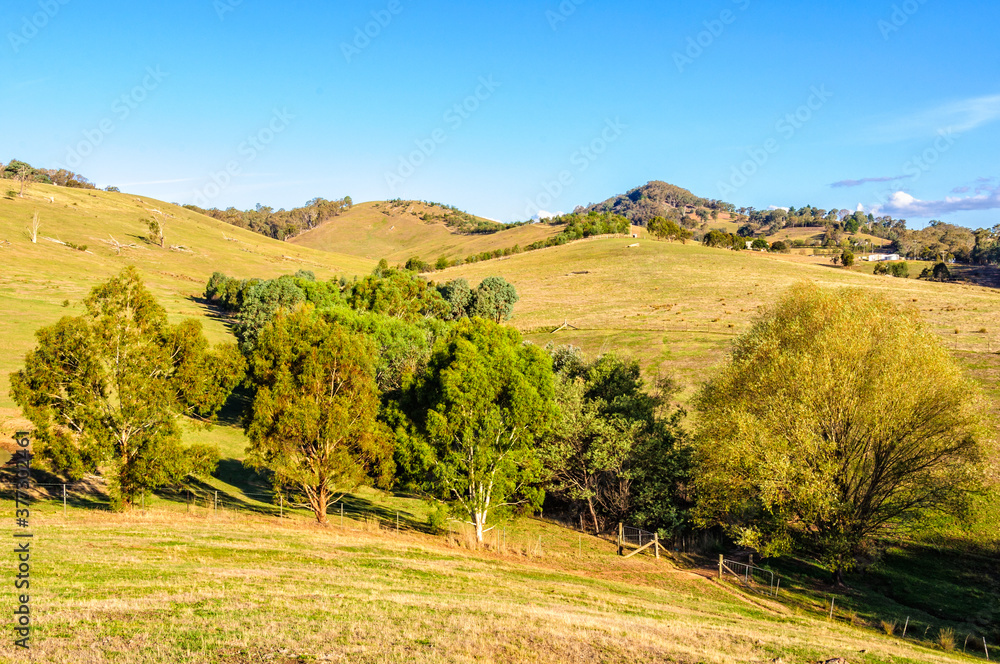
(39, 277)
(198, 586)
(378, 230)
(677, 306)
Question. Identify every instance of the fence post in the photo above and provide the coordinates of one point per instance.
(832, 600)
(621, 530)
(986, 649)
(64, 500)
(656, 544)
(215, 506)
(905, 625)
(776, 586)
(341, 515)
(281, 507)
(397, 522)
(721, 558)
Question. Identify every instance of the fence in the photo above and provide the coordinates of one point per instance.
(643, 539)
(527, 538)
(747, 575)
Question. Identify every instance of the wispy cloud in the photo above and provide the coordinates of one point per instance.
(858, 183)
(903, 204)
(139, 184)
(956, 116)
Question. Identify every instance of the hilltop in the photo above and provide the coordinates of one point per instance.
(399, 230)
(658, 199)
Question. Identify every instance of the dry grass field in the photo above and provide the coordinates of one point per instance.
(38, 279)
(168, 585)
(173, 585)
(678, 306)
(379, 230)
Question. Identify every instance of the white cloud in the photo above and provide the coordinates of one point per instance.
(903, 204)
(542, 214)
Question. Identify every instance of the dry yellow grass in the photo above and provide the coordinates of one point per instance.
(169, 587)
(380, 230)
(38, 278)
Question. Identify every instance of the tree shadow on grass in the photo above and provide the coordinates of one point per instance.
(214, 312)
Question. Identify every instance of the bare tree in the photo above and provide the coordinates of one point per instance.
(33, 229)
(22, 175)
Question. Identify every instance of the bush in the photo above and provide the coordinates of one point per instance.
(780, 247)
(889, 627)
(901, 270)
(946, 639)
(437, 519)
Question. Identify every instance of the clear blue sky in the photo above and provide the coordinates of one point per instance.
(559, 105)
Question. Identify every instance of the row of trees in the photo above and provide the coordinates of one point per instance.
(838, 419)
(576, 227)
(280, 224)
(24, 173)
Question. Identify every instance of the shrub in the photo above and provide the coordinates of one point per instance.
(889, 627)
(946, 639)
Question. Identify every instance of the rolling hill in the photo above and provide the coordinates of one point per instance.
(46, 280)
(398, 232)
(331, 593)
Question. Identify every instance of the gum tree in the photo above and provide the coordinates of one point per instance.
(105, 389)
(313, 421)
(479, 408)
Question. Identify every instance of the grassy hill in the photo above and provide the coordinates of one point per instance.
(193, 585)
(677, 307)
(38, 278)
(398, 232)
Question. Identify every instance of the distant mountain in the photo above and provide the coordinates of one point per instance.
(655, 199)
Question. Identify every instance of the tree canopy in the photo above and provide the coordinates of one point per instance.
(478, 409)
(313, 423)
(837, 420)
(104, 389)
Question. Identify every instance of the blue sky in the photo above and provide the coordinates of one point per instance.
(505, 109)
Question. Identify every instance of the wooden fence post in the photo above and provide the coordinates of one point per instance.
(64, 500)
(621, 529)
(656, 544)
(721, 558)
